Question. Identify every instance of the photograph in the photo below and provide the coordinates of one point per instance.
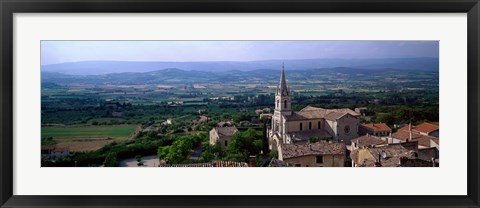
(239, 103)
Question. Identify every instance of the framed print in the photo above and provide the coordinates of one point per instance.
(263, 104)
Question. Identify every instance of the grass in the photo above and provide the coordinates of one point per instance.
(88, 131)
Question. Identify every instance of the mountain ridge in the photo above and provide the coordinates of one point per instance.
(111, 67)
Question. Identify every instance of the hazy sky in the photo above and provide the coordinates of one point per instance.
(71, 51)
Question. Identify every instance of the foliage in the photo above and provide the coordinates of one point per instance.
(48, 141)
(110, 160)
(138, 158)
(273, 154)
(244, 144)
(315, 139)
(177, 152)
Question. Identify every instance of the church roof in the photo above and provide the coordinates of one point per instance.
(310, 112)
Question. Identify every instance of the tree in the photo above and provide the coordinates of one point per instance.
(138, 158)
(244, 144)
(110, 160)
(162, 152)
(265, 148)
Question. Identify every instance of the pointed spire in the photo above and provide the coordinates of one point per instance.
(283, 82)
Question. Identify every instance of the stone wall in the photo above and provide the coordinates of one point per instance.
(311, 161)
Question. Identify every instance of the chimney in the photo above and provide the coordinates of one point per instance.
(410, 132)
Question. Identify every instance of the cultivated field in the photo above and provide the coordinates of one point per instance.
(88, 131)
(88, 138)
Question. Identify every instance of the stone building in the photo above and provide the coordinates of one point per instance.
(319, 154)
(222, 135)
(289, 127)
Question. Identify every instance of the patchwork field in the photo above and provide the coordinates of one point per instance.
(88, 138)
(88, 131)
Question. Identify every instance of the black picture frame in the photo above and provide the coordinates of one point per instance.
(9, 7)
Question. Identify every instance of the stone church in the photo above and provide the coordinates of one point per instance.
(289, 127)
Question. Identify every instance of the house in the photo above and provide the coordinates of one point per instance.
(424, 141)
(51, 152)
(376, 129)
(391, 155)
(258, 111)
(266, 115)
(366, 141)
(168, 121)
(425, 128)
(222, 135)
(319, 154)
(224, 123)
(361, 110)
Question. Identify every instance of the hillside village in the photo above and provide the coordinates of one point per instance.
(318, 137)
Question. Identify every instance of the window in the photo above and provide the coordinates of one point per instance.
(285, 104)
(346, 129)
(309, 125)
(278, 103)
(226, 143)
(301, 126)
(319, 124)
(320, 159)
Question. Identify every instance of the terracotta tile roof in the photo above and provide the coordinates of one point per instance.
(393, 153)
(210, 164)
(319, 148)
(428, 153)
(226, 131)
(422, 140)
(376, 127)
(426, 127)
(367, 140)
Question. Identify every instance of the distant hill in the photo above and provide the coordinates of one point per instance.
(179, 76)
(109, 67)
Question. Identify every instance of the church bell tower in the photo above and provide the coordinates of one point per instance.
(283, 108)
(283, 103)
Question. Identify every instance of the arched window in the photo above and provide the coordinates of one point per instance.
(309, 125)
(301, 126)
(285, 104)
(278, 103)
(319, 125)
